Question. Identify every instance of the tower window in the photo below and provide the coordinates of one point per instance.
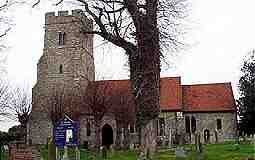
(219, 124)
(61, 38)
(61, 69)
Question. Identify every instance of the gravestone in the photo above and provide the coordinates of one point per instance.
(170, 138)
(180, 153)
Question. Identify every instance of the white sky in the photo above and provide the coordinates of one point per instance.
(223, 31)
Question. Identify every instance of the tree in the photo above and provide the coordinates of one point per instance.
(143, 29)
(246, 100)
(123, 109)
(63, 101)
(20, 105)
(16, 104)
(4, 96)
(95, 103)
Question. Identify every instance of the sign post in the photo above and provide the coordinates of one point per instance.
(66, 134)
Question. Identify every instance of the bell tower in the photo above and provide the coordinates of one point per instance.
(67, 60)
(67, 54)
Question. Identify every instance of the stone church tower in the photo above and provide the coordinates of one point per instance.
(67, 60)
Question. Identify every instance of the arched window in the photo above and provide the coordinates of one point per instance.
(61, 38)
(60, 68)
(187, 124)
(193, 124)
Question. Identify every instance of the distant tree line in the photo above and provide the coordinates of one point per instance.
(246, 101)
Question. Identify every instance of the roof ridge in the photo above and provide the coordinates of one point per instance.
(201, 84)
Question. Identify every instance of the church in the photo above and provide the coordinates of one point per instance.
(185, 110)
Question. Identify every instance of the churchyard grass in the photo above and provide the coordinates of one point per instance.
(226, 151)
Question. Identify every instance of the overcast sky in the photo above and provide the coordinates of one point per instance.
(222, 33)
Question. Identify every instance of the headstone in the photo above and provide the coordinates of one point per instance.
(104, 152)
(77, 151)
(170, 138)
(216, 136)
(6, 148)
(65, 156)
(180, 152)
(142, 156)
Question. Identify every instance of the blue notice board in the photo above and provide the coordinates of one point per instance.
(66, 132)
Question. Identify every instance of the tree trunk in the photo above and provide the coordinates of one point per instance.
(148, 138)
(145, 80)
(98, 140)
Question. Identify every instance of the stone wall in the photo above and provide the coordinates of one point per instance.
(40, 128)
(83, 138)
(209, 121)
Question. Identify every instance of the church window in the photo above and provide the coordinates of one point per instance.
(61, 38)
(161, 126)
(88, 129)
(219, 124)
(187, 124)
(61, 69)
(193, 124)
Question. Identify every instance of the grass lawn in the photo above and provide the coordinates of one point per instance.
(227, 151)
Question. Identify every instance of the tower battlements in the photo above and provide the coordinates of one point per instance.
(66, 16)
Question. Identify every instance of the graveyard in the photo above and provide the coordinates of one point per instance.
(226, 151)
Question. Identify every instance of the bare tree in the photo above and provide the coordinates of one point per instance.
(96, 104)
(20, 105)
(16, 104)
(6, 24)
(4, 97)
(63, 101)
(123, 109)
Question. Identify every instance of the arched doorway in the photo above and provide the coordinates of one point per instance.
(207, 135)
(107, 135)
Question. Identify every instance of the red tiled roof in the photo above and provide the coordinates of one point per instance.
(188, 98)
(208, 97)
(170, 94)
